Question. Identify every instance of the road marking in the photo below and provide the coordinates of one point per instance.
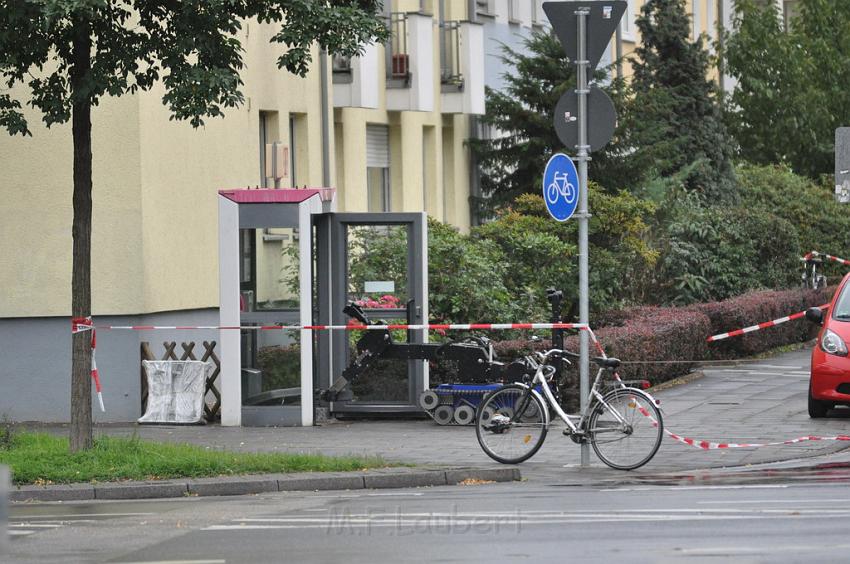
(679, 488)
(480, 524)
(71, 516)
(176, 562)
(357, 495)
(483, 521)
(829, 501)
(746, 550)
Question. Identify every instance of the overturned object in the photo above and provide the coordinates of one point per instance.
(176, 391)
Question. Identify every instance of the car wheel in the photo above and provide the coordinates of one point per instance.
(817, 408)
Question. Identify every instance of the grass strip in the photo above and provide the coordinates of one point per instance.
(40, 458)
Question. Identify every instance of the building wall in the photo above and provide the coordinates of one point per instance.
(154, 212)
(155, 228)
(426, 173)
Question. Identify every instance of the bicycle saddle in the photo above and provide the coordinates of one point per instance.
(609, 362)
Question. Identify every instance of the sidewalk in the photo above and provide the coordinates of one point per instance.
(753, 402)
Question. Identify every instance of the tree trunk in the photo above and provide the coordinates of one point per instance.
(81, 400)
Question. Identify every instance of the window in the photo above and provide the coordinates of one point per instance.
(292, 147)
(627, 23)
(513, 11)
(790, 10)
(377, 168)
(378, 189)
(696, 19)
(537, 12)
(485, 7)
(272, 170)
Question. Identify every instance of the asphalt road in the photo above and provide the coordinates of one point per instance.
(792, 518)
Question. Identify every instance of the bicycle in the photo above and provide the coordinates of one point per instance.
(815, 280)
(561, 186)
(624, 425)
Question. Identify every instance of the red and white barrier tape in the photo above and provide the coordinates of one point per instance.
(764, 325)
(815, 254)
(353, 327)
(78, 325)
(707, 445)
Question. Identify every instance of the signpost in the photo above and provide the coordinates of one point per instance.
(842, 165)
(560, 187)
(584, 30)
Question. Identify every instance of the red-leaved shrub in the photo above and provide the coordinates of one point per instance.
(661, 343)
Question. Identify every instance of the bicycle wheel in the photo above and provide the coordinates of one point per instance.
(570, 193)
(552, 193)
(507, 437)
(625, 429)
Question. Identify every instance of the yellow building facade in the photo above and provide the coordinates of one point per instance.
(397, 120)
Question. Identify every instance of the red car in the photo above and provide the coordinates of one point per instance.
(830, 381)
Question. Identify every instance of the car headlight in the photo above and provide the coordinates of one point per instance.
(833, 344)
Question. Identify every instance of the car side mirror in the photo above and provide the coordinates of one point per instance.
(815, 315)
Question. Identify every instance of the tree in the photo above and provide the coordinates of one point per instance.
(71, 53)
(522, 118)
(790, 91)
(676, 122)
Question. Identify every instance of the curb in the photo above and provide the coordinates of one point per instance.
(255, 484)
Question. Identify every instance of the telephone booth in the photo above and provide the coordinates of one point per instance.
(287, 258)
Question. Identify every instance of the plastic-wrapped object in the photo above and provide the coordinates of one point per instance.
(176, 391)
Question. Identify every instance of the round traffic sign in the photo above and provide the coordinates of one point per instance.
(601, 119)
(560, 187)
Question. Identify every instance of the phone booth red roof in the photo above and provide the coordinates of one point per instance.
(276, 196)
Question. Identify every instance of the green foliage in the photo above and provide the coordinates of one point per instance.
(39, 458)
(821, 223)
(542, 253)
(676, 121)
(281, 366)
(521, 118)
(713, 253)
(195, 52)
(790, 91)
(378, 254)
(467, 277)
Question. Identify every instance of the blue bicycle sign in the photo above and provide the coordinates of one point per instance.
(560, 187)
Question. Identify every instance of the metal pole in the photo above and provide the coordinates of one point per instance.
(618, 49)
(326, 136)
(583, 287)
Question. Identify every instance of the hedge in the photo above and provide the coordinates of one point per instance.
(654, 336)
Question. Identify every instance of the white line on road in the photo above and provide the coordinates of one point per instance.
(481, 524)
(745, 501)
(71, 516)
(177, 562)
(746, 550)
(680, 488)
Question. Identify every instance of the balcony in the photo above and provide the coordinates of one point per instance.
(355, 82)
(461, 67)
(409, 63)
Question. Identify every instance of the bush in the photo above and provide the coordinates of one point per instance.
(757, 307)
(542, 253)
(822, 223)
(713, 253)
(281, 367)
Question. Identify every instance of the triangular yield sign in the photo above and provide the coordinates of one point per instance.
(602, 20)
